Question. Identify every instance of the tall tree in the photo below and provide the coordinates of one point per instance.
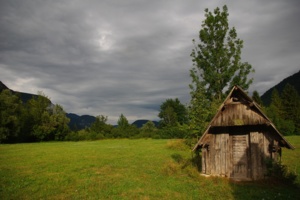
(172, 111)
(100, 125)
(46, 121)
(199, 109)
(217, 58)
(291, 105)
(217, 67)
(276, 113)
(10, 112)
(61, 122)
(256, 98)
(123, 122)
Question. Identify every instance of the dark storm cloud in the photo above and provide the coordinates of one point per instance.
(113, 57)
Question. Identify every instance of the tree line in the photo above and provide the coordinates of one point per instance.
(35, 120)
(39, 120)
(284, 110)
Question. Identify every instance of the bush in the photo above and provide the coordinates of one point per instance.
(84, 135)
(169, 132)
(277, 171)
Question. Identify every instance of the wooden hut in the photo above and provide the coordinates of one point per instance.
(239, 140)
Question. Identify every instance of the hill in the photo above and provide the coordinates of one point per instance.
(24, 96)
(293, 80)
(139, 123)
(80, 122)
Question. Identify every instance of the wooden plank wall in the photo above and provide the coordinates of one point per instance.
(259, 150)
(237, 114)
(218, 157)
(240, 156)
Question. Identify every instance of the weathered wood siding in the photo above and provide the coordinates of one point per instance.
(259, 153)
(216, 155)
(240, 154)
(237, 155)
(238, 114)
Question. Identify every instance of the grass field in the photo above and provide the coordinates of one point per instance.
(124, 169)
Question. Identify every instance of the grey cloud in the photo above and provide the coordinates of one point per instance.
(113, 57)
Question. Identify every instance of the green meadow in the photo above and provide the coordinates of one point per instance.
(125, 169)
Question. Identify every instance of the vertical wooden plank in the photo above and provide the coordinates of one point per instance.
(208, 160)
(217, 154)
(253, 152)
(239, 156)
(222, 155)
(229, 156)
(204, 160)
(226, 154)
(248, 155)
(224, 150)
(266, 154)
(258, 156)
(266, 145)
(212, 154)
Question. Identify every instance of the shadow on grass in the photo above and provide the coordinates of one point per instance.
(195, 161)
(280, 185)
(264, 189)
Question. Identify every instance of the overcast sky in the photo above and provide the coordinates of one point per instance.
(128, 56)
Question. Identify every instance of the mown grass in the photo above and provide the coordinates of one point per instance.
(123, 169)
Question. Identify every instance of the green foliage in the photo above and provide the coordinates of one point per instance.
(217, 67)
(284, 110)
(10, 113)
(256, 98)
(148, 130)
(201, 109)
(84, 135)
(123, 122)
(178, 131)
(61, 122)
(37, 120)
(291, 106)
(124, 129)
(49, 121)
(100, 126)
(217, 58)
(172, 111)
(280, 172)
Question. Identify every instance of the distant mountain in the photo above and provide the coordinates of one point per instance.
(3, 87)
(80, 122)
(293, 80)
(24, 96)
(139, 123)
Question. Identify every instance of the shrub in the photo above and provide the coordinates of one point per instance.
(172, 132)
(277, 171)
